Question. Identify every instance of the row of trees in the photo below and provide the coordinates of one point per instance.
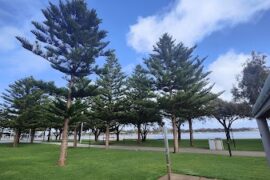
(172, 83)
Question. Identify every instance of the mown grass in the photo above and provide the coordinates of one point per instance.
(241, 144)
(38, 162)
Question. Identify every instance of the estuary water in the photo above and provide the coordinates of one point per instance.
(252, 134)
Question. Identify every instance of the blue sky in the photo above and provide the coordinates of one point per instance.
(225, 31)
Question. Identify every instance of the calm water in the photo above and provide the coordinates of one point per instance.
(254, 134)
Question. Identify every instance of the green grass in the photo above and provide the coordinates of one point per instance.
(38, 161)
(241, 144)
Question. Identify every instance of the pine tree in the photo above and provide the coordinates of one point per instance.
(198, 105)
(70, 39)
(23, 104)
(198, 92)
(109, 103)
(82, 92)
(143, 109)
(178, 77)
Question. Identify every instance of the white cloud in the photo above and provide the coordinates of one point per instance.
(224, 71)
(190, 21)
(16, 20)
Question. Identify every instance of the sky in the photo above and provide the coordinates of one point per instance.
(226, 32)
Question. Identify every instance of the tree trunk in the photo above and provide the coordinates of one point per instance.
(96, 135)
(44, 133)
(33, 131)
(190, 132)
(63, 148)
(79, 135)
(56, 136)
(75, 142)
(228, 141)
(139, 140)
(107, 136)
(16, 138)
(144, 135)
(19, 136)
(60, 134)
(117, 134)
(64, 142)
(175, 136)
(49, 135)
(179, 131)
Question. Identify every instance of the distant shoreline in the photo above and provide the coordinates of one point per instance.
(197, 130)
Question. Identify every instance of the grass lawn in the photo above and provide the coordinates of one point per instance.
(241, 144)
(38, 161)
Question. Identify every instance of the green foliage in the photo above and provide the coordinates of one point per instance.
(23, 103)
(69, 38)
(108, 105)
(84, 88)
(143, 109)
(179, 78)
(230, 111)
(58, 111)
(251, 80)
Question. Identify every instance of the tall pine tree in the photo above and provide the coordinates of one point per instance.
(178, 77)
(70, 39)
(108, 105)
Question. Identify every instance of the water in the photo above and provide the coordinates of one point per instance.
(254, 134)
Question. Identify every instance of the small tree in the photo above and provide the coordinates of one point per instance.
(143, 109)
(198, 106)
(228, 112)
(82, 92)
(251, 80)
(57, 111)
(22, 105)
(107, 106)
(95, 124)
(70, 39)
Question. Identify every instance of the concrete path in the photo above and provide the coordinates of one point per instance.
(182, 150)
(183, 177)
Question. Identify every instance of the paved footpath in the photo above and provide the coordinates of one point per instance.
(182, 150)
(183, 177)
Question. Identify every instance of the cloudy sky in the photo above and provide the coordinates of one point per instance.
(224, 31)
